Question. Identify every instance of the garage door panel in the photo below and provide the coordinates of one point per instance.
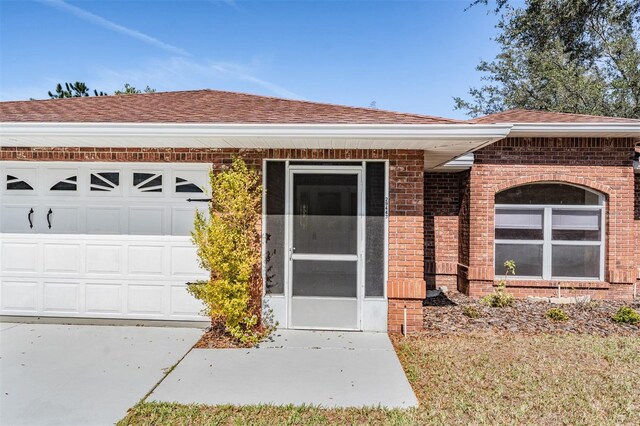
(184, 262)
(62, 219)
(19, 297)
(182, 303)
(103, 298)
(19, 257)
(146, 260)
(63, 258)
(104, 259)
(182, 220)
(104, 220)
(19, 218)
(61, 298)
(145, 299)
(146, 221)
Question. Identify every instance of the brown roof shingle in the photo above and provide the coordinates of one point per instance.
(531, 116)
(201, 106)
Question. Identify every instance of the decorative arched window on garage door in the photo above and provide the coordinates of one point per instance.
(552, 231)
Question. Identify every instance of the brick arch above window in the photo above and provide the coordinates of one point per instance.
(554, 178)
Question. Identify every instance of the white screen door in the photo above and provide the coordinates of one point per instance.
(325, 234)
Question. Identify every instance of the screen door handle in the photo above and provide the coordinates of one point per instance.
(49, 217)
(30, 217)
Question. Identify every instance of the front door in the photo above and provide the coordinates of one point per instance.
(325, 234)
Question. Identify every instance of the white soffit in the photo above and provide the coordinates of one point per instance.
(442, 142)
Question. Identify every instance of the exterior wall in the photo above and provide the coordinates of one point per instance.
(405, 287)
(636, 217)
(442, 203)
(604, 165)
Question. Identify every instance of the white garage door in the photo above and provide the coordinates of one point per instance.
(106, 240)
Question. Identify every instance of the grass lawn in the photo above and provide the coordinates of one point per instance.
(493, 379)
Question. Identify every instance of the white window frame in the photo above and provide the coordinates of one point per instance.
(547, 242)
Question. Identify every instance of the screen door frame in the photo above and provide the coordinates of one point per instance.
(291, 256)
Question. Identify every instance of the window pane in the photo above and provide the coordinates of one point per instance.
(519, 224)
(576, 225)
(528, 259)
(548, 193)
(325, 278)
(374, 267)
(575, 261)
(274, 228)
(325, 213)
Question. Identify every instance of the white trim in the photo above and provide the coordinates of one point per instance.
(575, 129)
(327, 257)
(386, 131)
(548, 243)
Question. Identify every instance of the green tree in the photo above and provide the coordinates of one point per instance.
(130, 90)
(73, 90)
(228, 244)
(577, 56)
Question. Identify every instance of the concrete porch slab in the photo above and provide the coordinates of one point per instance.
(329, 369)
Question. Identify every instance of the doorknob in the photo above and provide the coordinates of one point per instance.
(30, 217)
(48, 217)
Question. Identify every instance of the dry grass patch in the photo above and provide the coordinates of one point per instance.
(490, 379)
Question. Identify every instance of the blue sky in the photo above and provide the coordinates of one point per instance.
(411, 56)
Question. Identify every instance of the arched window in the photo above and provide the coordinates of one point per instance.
(551, 230)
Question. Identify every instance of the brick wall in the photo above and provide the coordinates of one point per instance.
(405, 286)
(464, 223)
(604, 165)
(636, 216)
(441, 210)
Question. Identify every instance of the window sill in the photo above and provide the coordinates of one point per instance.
(566, 283)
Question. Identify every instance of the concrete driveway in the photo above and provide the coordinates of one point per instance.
(81, 374)
(326, 368)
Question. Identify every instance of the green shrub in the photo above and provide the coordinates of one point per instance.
(500, 298)
(626, 315)
(228, 243)
(556, 314)
(471, 312)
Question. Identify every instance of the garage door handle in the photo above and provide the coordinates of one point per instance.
(48, 217)
(30, 217)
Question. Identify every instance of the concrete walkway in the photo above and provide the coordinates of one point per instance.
(80, 374)
(330, 369)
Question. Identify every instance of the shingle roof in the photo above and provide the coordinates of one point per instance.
(201, 106)
(530, 116)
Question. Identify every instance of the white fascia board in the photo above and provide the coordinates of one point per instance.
(458, 164)
(185, 130)
(575, 129)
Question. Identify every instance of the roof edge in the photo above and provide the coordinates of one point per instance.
(574, 129)
(347, 130)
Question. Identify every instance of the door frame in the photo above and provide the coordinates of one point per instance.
(291, 170)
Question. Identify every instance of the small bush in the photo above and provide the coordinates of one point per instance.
(500, 298)
(471, 312)
(556, 314)
(626, 315)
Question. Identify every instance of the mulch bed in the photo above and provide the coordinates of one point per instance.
(443, 315)
(215, 337)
